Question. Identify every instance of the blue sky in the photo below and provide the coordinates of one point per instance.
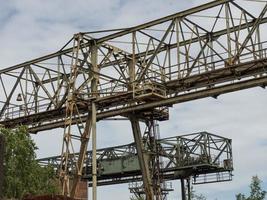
(32, 28)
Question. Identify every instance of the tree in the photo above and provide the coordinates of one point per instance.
(22, 174)
(256, 191)
(240, 197)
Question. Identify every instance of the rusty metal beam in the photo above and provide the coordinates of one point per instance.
(164, 19)
(142, 157)
(134, 29)
(210, 92)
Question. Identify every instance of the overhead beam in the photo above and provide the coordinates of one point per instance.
(212, 92)
(216, 91)
(164, 19)
(179, 169)
(133, 29)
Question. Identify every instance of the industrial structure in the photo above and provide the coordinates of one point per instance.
(136, 73)
(204, 157)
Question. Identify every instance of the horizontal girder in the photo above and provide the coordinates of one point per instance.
(142, 69)
(182, 156)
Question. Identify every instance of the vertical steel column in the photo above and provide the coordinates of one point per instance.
(143, 158)
(94, 146)
(131, 67)
(188, 189)
(83, 149)
(131, 84)
(67, 146)
(183, 189)
(132, 63)
(227, 20)
(157, 179)
(94, 161)
(178, 51)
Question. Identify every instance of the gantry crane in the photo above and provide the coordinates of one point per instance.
(137, 73)
(202, 157)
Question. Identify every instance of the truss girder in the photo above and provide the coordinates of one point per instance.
(136, 72)
(178, 52)
(183, 156)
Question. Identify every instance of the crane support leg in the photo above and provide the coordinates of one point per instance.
(188, 188)
(142, 157)
(94, 161)
(83, 149)
(183, 189)
(94, 84)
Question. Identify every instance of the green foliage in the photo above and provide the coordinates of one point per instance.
(256, 191)
(22, 174)
(240, 197)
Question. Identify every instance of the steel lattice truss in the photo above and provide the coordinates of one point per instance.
(137, 72)
(184, 55)
(192, 155)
